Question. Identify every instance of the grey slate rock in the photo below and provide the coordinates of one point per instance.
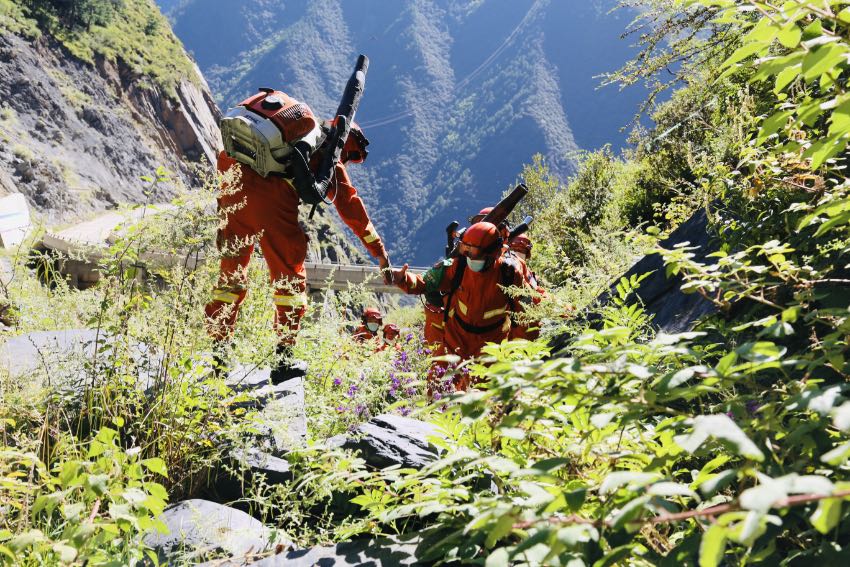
(276, 470)
(282, 417)
(673, 311)
(390, 440)
(199, 530)
(373, 552)
(41, 350)
(245, 466)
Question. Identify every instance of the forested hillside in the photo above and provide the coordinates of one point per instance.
(459, 95)
(608, 441)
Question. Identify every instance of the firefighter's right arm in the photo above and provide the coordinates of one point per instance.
(435, 279)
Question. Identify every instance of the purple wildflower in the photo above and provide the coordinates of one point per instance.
(337, 381)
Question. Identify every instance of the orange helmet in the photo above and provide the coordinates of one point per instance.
(481, 240)
(354, 150)
(391, 331)
(372, 313)
(480, 216)
(522, 244)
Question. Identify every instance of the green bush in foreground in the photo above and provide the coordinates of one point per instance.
(726, 445)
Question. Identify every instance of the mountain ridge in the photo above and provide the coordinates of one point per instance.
(459, 96)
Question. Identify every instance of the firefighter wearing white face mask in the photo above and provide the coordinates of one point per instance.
(370, 323)
(478, 311)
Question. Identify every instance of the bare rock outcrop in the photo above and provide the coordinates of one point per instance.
(77, 137)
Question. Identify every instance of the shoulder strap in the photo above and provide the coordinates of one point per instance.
(507, 277)
(458, 277)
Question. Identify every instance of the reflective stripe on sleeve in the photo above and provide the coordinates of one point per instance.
(462, 306)
(371, 234)
(437, 325)
(495, 313)
(297, 300)
(225, 296)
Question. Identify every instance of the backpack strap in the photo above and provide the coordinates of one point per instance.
(456, 279)
(509, 270)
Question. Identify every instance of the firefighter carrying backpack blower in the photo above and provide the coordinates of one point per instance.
(282, 156)
(473, 280)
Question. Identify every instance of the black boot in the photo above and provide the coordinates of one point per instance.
(287, 367)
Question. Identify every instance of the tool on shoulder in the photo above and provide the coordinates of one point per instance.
(340, 129)
(451, 237)
(521, 228)
(497, 216)
(274, 134)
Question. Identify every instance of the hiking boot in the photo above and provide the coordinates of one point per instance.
(287, 367)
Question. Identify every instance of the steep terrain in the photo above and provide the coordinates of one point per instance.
(81, 121)
(459, 96)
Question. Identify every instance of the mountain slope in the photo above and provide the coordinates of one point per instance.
(87, 112)
(459, 94)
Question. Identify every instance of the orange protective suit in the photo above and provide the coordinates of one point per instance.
(530, 331)
(433, 324)
(363, 334)
(268, 208)
(478, 310)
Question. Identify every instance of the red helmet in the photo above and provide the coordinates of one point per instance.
(293, 118)
(480, 216)
(522, 243)
(372, 313)
(354, 150)
(391, 331)
(481, 240)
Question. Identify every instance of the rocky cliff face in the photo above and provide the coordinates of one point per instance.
(77, 137)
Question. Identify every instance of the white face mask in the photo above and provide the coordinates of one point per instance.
(372, 326)
(476, 265)
(521, 255)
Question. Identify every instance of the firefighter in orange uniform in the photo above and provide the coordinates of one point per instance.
(370, 324)
(391, 333)
(434, 304)
(479, 311)
(520, 247)
(266, 209)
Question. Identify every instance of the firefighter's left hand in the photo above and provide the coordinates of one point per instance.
(386, 269)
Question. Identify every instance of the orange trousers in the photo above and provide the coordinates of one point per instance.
(261, 211)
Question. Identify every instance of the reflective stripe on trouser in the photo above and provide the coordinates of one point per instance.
(290, 300)
(290, 309)
(262, 211)
(222, 311)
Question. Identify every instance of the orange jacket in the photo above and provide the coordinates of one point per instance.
(433, 324)
(478, 310)
(531, 330)
(348, 203)
(362, 334)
